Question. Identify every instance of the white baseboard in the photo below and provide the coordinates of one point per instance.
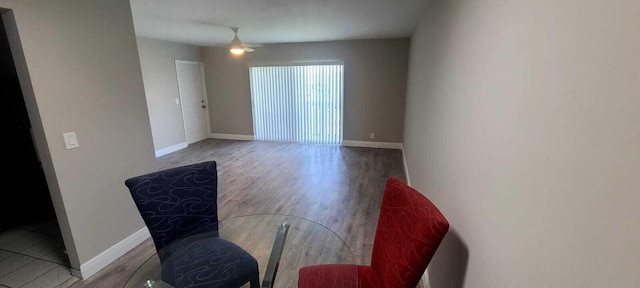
(232, 136)
(425, 279)
(174, 148)
(406, 168)
(107, 257)
(369, 144)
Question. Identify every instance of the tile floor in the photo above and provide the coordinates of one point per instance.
(33, 256)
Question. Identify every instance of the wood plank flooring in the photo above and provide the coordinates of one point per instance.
(338, 187)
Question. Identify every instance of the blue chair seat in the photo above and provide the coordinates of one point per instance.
(199, 262)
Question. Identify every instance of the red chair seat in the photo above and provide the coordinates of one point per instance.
(338, 276)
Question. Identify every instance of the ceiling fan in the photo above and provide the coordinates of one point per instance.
(237, 47)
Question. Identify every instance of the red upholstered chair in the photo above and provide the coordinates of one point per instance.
(410, 229)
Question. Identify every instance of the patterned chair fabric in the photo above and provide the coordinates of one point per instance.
(179, 207)
(409, 231)
(209, 262)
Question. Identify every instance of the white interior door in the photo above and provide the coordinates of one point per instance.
(193, 97)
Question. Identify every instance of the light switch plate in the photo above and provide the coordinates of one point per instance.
(70, 140)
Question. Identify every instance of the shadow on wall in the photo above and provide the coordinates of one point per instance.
(448, 268)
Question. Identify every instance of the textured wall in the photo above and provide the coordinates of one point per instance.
(523, 125)
(375, 79)
(79, 71)
(157, 59)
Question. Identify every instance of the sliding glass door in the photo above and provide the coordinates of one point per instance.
(301, 103)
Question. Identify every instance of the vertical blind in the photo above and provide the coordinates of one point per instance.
(297, 103)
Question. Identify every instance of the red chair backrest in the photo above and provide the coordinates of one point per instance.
(410, 229)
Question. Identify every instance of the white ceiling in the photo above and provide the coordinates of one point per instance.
(207, 22)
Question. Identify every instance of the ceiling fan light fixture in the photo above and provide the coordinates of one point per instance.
(236, 50)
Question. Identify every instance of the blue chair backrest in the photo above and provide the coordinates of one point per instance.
(177, 201)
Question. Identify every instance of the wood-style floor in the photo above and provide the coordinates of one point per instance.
(338, 187)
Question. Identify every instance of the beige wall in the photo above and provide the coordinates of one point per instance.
(375, 74)
(79, 70)
(157, 59)
(523, 125)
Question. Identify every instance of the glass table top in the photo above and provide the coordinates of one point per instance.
(306, 243)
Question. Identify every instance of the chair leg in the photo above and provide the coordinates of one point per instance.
(255, 281)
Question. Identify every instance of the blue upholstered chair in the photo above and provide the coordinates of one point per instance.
(179, 206)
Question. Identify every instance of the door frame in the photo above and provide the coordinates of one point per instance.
(204, 91)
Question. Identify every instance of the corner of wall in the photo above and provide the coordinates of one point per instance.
(406, 167)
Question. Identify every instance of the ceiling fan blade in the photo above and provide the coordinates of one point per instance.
(248, 49)
(251, 45)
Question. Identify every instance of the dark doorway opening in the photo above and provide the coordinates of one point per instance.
(29, 200)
